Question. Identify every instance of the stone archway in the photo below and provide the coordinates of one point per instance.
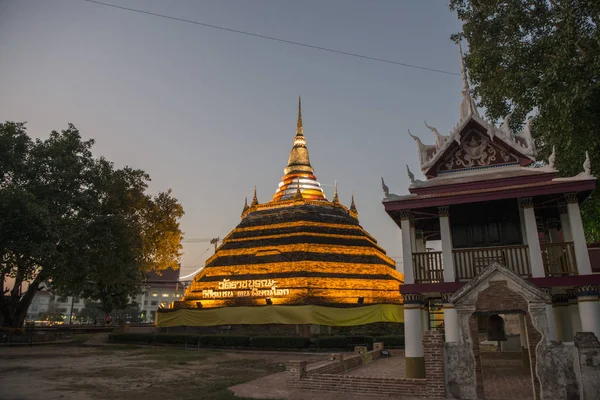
(495, 290)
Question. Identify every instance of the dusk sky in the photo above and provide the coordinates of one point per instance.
(210, 113)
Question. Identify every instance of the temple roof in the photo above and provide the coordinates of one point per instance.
(477, 159)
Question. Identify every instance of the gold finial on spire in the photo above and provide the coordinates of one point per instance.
(299, 130)
(335, 193)
(353, 206)
(254, 199)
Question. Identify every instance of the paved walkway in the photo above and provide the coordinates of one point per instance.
(506, 379)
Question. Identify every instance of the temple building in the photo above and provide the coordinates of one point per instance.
(296, 259)
(490, 201)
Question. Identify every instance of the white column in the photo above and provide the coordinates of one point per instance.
(450, 319)
(562, 317)
(565, 226)
(581, 251)
(550, 316)
(407, 258)
(413, 336)
(446, 237)
(533, 240)
(588, 299)
(413, 237)
(574, 310)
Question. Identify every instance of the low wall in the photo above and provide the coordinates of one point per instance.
(328, 378)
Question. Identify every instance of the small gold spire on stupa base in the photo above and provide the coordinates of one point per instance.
(254, 199)
(245, 205)
(353, 206)
(298, 195)
(335, 193)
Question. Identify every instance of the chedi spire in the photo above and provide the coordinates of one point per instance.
(298, 172)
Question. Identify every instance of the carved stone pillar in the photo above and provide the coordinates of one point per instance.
(552, 331)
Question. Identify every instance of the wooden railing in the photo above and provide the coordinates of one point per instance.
(469, 263)
(428, 267)
(559, 259)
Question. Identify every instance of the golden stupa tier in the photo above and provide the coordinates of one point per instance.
(309, 187)
(296, 252)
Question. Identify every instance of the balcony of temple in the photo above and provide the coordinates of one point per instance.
(535, 237)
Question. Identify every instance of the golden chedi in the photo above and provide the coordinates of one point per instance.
(300, 250)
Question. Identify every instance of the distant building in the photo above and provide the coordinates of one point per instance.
(157, 291)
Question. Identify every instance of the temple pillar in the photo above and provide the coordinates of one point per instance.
(565, 226)
(550, 316)
(581, 251)
(407, 258)
(413, 335)
(574, 311)
(533, 240)
(524, 343)
(446, 237)
(588, 299)
(562, 317)
(450, 319)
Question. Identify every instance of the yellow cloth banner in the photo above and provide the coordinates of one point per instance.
(319, 315)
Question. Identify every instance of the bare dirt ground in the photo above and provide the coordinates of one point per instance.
(74, 372)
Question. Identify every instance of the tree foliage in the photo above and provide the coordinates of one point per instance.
(76, 221)
(541, 56)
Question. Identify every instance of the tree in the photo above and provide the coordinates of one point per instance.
(541, 56)
(77, 222)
